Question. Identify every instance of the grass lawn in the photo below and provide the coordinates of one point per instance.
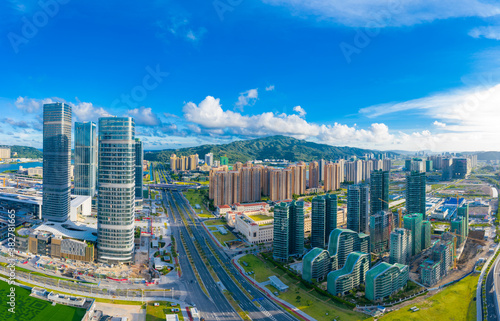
(262, 270)
(260, 217)
(205, 215)
(453, 303)
(224, 238)
(33, 309)
(158, 313)
(194, 197)
(214, 222)
(310, 302)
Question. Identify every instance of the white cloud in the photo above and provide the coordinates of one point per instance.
(246, 98)
(379, 14)
(87, 112)
(270, 88)
(469, 117)
(30, 105)
(144, 116)
(300, 111)
(439, 124)
(215, 121)
(490, 32)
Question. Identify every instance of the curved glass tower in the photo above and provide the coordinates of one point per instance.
(116, 190)
(56, 162)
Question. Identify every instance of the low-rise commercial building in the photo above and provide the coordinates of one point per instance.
(385, 279)
(316, 264)
(351, 275)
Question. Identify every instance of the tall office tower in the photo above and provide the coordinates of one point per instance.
(461, 168)
(380, 230)
(400, 246)
(417, 165)
(413, 222)
(379, 192)
(386, 165)
(447, 169)
(357, 208)
(281, 240)
(296, 229)
(323, 219)
(428, 166)
(56, 161)
(332, 177)
(116, 190)
(173, 162)
(318, 221)
(408, 165)
(85, 159)
(313, 175)
(322, 164)
(415, 193)
(139, 159)
(459, 227)
(209, 159)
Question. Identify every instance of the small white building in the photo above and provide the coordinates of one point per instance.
(255, 228)
(80, 205)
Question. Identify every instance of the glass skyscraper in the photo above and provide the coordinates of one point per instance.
(415, 193)
(357, 208)
(56, 161)
(139, 158)
(116, 190)
(85, 158)
(379, 191)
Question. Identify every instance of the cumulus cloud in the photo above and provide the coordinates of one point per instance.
(439, 124)
(270, 88)
(30, 105)
(83, 111)
(214, 120)
(379, 14)
(246, 98)
(144, 116)
(489, 32)
(300, 111)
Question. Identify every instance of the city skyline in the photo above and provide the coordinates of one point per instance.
(368, 71)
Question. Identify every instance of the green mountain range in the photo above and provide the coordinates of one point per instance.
(272, 147)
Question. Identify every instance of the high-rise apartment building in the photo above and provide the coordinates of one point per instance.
(413, 222)
(344, 241)
(85, 171)
(314, 175)
(224, 160)
(139, 159)
(415, 193)
(116, 190)
(357, 208)
(56, 161)
(400, 246)
(354, 172)
(183, 163)
(379, 191)
(386, 165)
(332, 177)
(322, 164)
(351, 275)
(209, 159)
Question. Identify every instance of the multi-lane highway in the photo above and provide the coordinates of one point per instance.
(267, 309)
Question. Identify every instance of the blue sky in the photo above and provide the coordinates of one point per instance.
(414, 75)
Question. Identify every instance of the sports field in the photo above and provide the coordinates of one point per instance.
(32, 309)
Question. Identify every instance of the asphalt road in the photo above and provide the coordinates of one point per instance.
(491, 280)
(268, 310)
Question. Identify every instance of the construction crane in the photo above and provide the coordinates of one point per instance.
(455, 246)
(400, 212)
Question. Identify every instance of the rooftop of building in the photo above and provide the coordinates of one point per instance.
(312, 254)
(382, 267)
(69, 229)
